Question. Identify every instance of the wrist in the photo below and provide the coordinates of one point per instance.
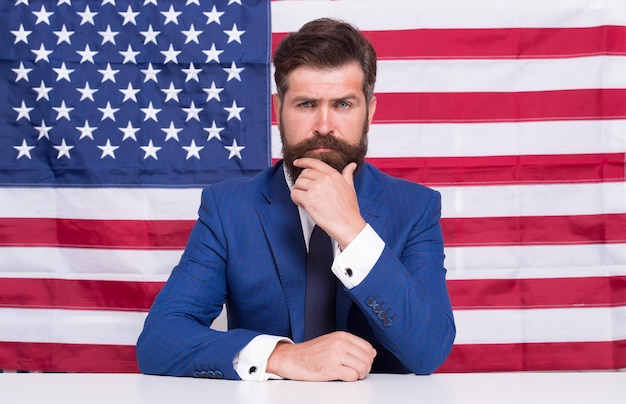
(276, 358)
(347, 238)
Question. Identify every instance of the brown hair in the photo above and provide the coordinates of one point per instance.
(325, 43)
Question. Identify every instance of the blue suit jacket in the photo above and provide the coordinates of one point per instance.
(247, 250)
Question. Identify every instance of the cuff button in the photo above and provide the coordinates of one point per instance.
(349, 272)
(252, 370)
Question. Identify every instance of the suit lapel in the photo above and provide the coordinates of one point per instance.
(369, 193)
(281, 224)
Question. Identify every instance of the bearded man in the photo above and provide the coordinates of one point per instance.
(329, 268)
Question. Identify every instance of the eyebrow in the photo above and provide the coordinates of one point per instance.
(312, 99)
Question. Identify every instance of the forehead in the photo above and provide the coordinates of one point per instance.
(312, 81)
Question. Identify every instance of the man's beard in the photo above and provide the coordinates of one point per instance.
(339, 156)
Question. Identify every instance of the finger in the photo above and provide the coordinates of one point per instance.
(361, 364)
(303, 182)
(348, 374)
(358, 353)
(307, 174)
(355, 340)
(348, 173)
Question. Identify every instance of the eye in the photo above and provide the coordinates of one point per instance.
(306, 104)
(343, 105)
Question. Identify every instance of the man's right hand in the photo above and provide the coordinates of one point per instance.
(335, 356)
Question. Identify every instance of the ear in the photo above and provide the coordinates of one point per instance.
(372, 109)
(276, 102)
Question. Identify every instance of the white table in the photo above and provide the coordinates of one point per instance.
(501, 388)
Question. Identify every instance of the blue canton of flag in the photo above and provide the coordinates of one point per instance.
(123, 92)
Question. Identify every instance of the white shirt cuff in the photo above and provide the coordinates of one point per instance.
(251, 362)
(354, 263)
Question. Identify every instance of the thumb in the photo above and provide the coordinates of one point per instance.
(348, 173)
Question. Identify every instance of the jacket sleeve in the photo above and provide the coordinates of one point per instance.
(405, 297)
(177, 338)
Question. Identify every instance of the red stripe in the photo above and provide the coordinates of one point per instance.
(122, 234)
(609, 355)
(494, 43)
(497, 170)
(50, 357)
(527, 106)
(500, 106)
(537, 293)
(465, 294)
(77, 294)
(172, 234)
(534, 230)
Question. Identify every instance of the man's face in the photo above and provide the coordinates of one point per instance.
(324, 115)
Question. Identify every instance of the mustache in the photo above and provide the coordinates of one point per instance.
(321, 141)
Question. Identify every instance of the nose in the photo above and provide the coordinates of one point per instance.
(324, 121)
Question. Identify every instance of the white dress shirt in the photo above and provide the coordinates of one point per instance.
(350, 266)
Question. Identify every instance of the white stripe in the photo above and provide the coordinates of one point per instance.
(533, 200)
(409, 76)
(71, 326)
(473, 326)
(540, 325)
(94, 264)
(376, 15)
(536, 262)
(498, 75)
(101, 203)
(492, 139)
(458, 201)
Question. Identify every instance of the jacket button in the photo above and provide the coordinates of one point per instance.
(370, 301)
(382, 314)
(387, 322)
(376, 308)
(219, 375)
(210, 374)
(196, 374)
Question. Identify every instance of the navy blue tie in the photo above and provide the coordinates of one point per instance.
(321, 287)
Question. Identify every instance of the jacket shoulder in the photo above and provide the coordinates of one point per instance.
(393, 185)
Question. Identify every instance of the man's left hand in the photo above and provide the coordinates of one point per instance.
(330, 198)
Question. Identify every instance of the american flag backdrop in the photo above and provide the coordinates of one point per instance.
(114, 114)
